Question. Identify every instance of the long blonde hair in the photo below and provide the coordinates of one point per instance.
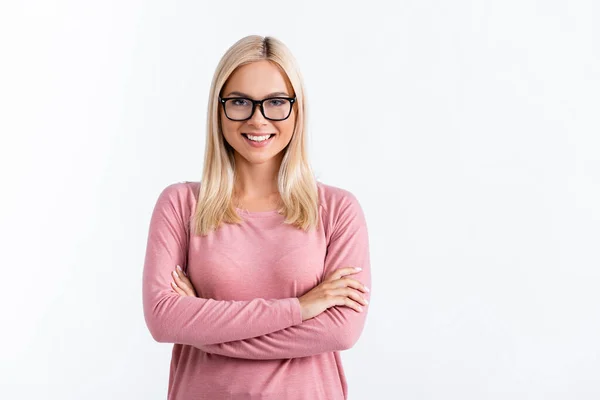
(296, 182)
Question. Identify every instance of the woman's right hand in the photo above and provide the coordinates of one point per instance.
(335, 290)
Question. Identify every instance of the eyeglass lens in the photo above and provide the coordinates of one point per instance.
(242, 108)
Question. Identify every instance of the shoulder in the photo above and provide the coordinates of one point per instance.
(178, 199)
(184, 190)
(339, 205)
(334, 198)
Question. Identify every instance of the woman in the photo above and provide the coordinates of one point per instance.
(268, 294)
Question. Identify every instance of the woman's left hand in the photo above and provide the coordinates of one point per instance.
(182, 284)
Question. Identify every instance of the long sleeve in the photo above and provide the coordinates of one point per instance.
(337, 328)
(195, 321)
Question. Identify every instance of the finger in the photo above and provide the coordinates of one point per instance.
(182, 284)
(177, 289)
(186, 287)
(181, 277)
(353, 294)
(185, 283)
(176, 277)
(184, 290)
(356, 296)
(353, 304)
(338, 273)
(348, 302)
(349, 282)
(180, 273)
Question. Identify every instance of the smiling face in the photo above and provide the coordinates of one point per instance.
(258, 80)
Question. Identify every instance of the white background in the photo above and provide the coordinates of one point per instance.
(468, 130)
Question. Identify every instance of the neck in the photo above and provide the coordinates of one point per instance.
(256, 180)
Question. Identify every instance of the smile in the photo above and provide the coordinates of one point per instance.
(258, 141)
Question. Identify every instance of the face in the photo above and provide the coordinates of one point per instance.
(258, 80)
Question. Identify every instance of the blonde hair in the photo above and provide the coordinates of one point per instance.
(296, 182)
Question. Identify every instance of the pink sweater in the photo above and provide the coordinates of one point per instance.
(243, 336)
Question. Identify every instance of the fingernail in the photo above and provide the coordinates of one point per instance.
(175, 274)
(179, 268)
(367, 289)
(366, 301)
(358, 268)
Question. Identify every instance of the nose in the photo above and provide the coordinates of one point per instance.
(256, 115)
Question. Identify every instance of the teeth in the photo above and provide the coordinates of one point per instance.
(258, 138)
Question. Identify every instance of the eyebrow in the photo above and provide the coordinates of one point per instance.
(268, 95)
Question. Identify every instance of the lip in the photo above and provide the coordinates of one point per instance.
(264, 143)
(257, 133)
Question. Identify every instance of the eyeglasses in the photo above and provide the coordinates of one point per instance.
(272, 108)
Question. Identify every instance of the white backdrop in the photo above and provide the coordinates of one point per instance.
(468, 130)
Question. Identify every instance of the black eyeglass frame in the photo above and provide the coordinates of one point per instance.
(222, 100)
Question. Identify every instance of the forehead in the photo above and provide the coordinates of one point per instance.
(257, 79)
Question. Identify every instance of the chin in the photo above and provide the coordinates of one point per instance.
(259, 159)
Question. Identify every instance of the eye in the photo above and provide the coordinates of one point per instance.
(276, 102)
(239, 102)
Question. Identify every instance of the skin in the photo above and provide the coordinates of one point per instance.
(257, 168)
(256, 184)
